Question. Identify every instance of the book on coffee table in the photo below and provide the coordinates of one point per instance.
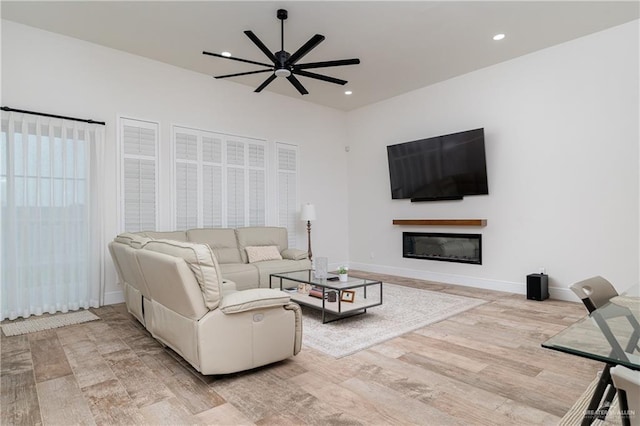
(316, 292)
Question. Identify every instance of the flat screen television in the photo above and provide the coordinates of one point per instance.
(444, 167)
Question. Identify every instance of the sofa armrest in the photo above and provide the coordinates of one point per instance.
(294, 254)
(297, 312)
(228, 287)
(255, 298)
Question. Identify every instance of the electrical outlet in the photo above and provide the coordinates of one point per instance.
(372, 255)
(543, 270)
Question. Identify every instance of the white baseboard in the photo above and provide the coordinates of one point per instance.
(114, 297)
(563, 294)
(483, 283)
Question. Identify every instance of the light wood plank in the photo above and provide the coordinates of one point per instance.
(16, 355)
(343, 399)
(139, 381)
(394, 404)
(49, 359)
(62, 403)
(19, 399)
(110, 404)
(224, 414)
(483, 366)
(168, 412)
(87, 364)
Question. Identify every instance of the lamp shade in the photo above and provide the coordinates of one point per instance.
(308, 212)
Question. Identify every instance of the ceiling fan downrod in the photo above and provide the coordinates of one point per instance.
(282, 70)
(282, 16)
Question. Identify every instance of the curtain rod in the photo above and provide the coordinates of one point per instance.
(5, 108)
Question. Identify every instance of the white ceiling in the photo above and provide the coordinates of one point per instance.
(402, 45)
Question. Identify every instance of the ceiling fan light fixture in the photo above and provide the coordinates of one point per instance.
(282, 72)
(285, 64)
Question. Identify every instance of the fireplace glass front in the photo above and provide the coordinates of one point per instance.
(463, 248)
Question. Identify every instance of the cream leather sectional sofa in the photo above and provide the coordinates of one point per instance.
(230, 248)
(178, 290)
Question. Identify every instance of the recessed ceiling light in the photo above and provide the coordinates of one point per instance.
(348, 92)
(498, 37)
(226, 54)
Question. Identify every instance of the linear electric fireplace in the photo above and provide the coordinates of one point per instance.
(463, 248)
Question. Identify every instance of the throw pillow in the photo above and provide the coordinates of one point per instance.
(294, 254)
(262, 253)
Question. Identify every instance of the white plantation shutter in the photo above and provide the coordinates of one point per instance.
(139, 141)
(186, 147)
(257, 186)
(235, 184)
(287, 189)
(212, 194)
(186, 175)
(235, 198)
(219, 180)
(186, 196)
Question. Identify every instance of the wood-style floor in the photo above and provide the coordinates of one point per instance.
(484, 366)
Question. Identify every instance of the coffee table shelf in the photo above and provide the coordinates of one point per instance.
(368, 293)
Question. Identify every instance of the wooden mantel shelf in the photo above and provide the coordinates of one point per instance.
(441, 222)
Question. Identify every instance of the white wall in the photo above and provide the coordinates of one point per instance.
(42, 71)
(562, 150)
(562, 137)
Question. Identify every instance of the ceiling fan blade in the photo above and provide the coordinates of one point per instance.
(337, 63)
(306, 48)
(254, 38)
(237, 59)
(296, 83)
(242, 73)
(320, 77)
(265, 83)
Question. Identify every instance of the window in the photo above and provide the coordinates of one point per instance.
(139, 175)
(219, 180)
(287, 189)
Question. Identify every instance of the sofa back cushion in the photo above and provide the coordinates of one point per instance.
(221, 240)
(173, 288)
(261, 236)
(123, 255)
(202, 263)
(132, 240)
(167, 235)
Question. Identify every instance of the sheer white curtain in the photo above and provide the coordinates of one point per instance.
(52, 244)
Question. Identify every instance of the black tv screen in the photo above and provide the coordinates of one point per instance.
(440, 168)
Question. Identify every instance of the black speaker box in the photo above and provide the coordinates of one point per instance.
(537, 286)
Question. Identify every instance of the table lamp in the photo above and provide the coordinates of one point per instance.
(308, 214)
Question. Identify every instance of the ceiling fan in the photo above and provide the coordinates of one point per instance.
(285, 64)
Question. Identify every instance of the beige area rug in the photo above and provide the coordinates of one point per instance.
(404, 309)
(32, 325)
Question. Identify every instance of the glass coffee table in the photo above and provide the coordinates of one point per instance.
(353, 297)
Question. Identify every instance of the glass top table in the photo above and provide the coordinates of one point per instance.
(609, 334)
(353, 297)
